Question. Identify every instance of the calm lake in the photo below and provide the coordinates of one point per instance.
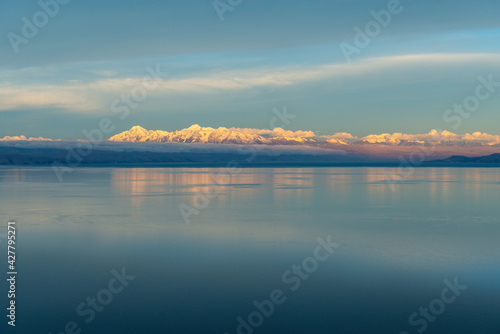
(263, 250)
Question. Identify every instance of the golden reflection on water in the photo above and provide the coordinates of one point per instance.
(137, 183)
(292, 184)
(16, 175)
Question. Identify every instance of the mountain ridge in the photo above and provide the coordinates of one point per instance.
(492, 158)
(198, 134)
(278, 136)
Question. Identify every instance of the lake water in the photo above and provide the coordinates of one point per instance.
(426, 248)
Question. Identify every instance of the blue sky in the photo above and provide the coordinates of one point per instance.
(263, 55)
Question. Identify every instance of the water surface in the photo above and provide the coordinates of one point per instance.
(397, 247)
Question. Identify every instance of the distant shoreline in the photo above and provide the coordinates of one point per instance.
(269, 165)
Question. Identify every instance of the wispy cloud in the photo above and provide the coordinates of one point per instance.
(94, 93)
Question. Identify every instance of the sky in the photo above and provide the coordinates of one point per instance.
(232, 62)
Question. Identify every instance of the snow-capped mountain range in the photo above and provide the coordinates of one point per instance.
(198, 144)
(222, 135)
(279, 136)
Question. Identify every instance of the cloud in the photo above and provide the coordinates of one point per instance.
(483, 138)
(276, 132)
(24, 138)
(292, 75)
(71, 97)
(342, 138)
(340, 135)
(95, 93)
(433, 137)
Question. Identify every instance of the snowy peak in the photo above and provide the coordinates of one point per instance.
(278, 136)
(194, 134)
(138, 129)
